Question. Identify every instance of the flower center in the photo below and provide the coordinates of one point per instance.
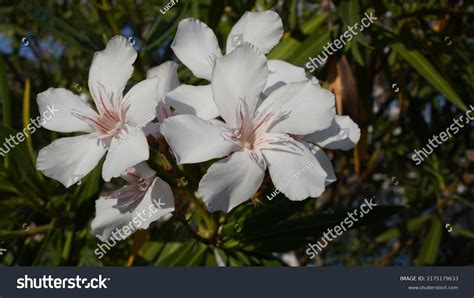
(111, 119)
(253, 127)
(144, 184)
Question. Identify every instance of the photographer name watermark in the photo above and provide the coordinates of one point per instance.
(280, 187)
(167, 6)
(133, 131)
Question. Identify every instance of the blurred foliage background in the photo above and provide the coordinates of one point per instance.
(402, 80)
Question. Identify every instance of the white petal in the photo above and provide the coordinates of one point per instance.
(142, 100)
(324, 162)
(194, 140)
(230, 182)
(309, 108)
(195, 44)
(282, 73)
(295, 170)
(143, 170)
(160, 196)
(343, 134)
(63, 103)
(167, 74)
(111, 220)
(138, 172)
(217, 122)
(262, 29)
(69, 159)
(111, 68)
(193, 100)
(153, 129)
(163, 111)
(240, 75)
(124, 152)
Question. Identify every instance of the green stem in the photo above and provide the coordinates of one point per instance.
(192, 232)
(25, 233)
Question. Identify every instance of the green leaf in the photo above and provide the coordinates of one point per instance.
(349, 10)
(7, 187)
(412, 225)
(430, 248)
(171, 27)
(313, 23)
(216, 10)
(197, 256)
(150, 250)
(18, 155)
(65, 31)
(311, 47)
(426, 69)
(195, 9)
(284, 49)
(356, 54)
(5, 95)
(463, 232)
(292, 234)
(274, 211)
(173, 258)
(87, 256)
(350, 14)
(91, 185)
(211, 258)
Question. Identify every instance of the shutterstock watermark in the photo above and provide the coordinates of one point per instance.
(122, 233)
(453, 128)
(30, 129)
(280, 187)
(343, 226)
(340, 42)
(49, 282)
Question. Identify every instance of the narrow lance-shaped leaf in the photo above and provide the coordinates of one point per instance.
(430, 248)
(426, 69)
(26, 119)
(5, 96)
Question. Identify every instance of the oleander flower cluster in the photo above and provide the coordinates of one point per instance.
(253, 115)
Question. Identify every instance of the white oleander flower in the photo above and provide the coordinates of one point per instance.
(114, 125)
(256, 134)
(144, 200)
(167, 74)
(343, 134)
(195, 44)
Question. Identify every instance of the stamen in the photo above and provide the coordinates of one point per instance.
(237, 134)
(260, 143)
(259, 160)
(265, 118)
(113, 106)
(107, 113)
(229, 137)
(276, 116)
(243, 112)
(96, 122)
